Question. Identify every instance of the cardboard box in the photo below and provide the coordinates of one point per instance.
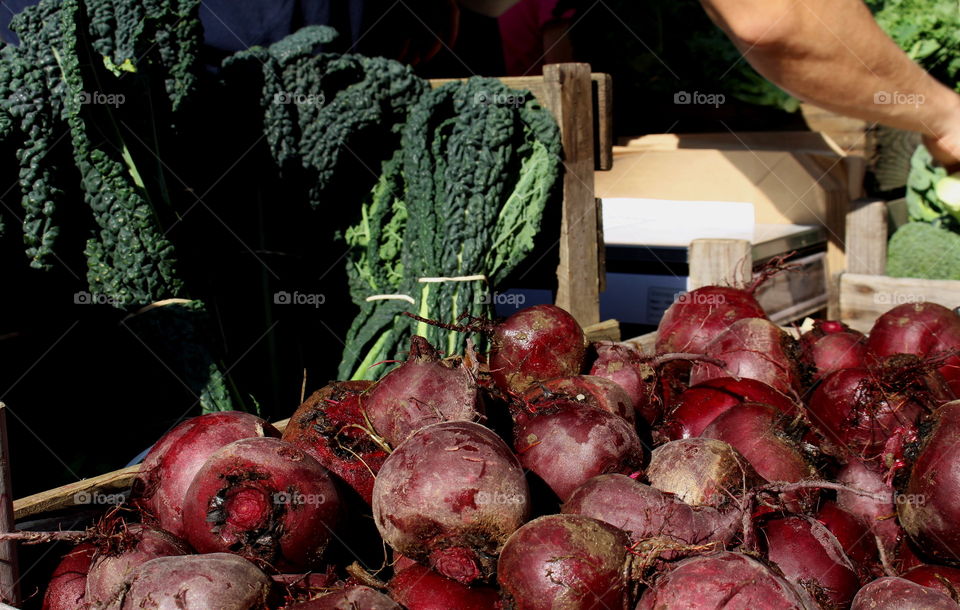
(798, 178)
(790, 177)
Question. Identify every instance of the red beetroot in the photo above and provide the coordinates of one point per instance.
(860, 410)
(891, 593)
(856, 540)
(566, 561)
(723, 581)
(303, 587)
(536, 344)
(584, 389)
(68, 584)
(420, 588)
(754, 348)
(566, 444)
(701, 404)
(356, 597)
(876, 511)
(701, 471)
(830, 346)
(450, 495)
(196, 582)
(169, 467)
(123, 553)
(423, 390)
(757, 432)
(621, 364)
(697, 317)
(942, 578)
(921, 329)
(265, 500)
(330, 426)
(659, 524)
(811, 557)
(929, 508)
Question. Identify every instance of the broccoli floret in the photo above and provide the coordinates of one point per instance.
(922, 250)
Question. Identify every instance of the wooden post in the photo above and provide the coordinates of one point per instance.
(720, 261)
(867, 237)
(9, 567)
(570, 98)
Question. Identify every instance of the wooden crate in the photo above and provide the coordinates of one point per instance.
(865, 292)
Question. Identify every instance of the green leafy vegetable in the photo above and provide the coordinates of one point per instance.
(466, 192)
(922, 250)
(927, 30)
(54, 90)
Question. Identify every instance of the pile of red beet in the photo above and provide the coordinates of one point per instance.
(740, 466)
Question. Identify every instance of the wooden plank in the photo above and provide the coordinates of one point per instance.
(864, 297)
(66, 496)
(603, 111)
(9, 562)
(867, 237)
(720, 261)
(608, 330)
(645, 343)
(578, 287)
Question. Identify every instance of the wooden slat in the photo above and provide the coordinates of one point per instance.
(578, 284)
(645, 343)
(864, 297)
(65, 496)
(9, 560)
(867, 237)
(719, 261)
(608, 330)
(603, 94)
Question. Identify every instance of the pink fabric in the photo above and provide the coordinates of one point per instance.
(521, 33)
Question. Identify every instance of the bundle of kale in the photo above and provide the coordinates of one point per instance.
(455, 211)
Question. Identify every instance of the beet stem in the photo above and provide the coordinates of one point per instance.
(374, 437)
(884, 560)
(774, 266)
(357, 571)
(42, 537)
(657, 361)
(475, 326)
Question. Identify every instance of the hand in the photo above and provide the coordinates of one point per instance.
(946, 150)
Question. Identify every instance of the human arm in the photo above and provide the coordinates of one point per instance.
(833, 54)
